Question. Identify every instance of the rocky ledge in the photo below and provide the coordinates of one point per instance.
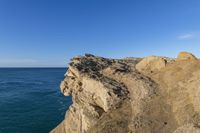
(136, 95)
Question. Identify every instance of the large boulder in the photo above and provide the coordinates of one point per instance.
(186, 56)
(151, 64)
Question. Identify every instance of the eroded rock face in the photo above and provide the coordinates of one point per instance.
(186, 56)
(152, 63)
(149, 95)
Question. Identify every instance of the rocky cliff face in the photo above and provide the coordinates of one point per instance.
(136, 95)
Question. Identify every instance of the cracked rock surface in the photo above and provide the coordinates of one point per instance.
(140, 95)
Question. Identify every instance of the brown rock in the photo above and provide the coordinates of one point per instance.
(151, 64)
(111, 95)
(186, 56)
(188, 128)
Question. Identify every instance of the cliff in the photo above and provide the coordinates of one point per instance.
(137, 95)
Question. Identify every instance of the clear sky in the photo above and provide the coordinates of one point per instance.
(50, 32)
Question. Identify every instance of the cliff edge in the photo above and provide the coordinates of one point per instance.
(136, 95)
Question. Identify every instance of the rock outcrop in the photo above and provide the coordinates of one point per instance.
(149, 95)
(152, 63)
(186, 56)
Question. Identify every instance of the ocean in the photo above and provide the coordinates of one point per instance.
(30, 99)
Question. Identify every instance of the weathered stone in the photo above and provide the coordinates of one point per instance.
(186, 56)
(150, 95)
(151, 64)
(188, 128)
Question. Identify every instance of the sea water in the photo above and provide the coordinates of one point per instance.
(30, 99)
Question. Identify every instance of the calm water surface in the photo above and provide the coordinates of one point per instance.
(30, 99)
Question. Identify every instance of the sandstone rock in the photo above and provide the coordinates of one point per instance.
(150, 95)
(188, 128)
(186, 56)
(151, 64)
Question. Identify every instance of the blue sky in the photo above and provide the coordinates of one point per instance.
(50, 32)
